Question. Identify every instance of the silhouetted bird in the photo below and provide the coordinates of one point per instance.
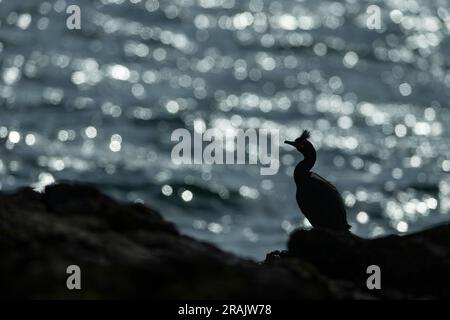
(317, 198)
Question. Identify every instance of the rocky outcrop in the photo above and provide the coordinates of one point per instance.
(130, 251)
(124, 251)
(411, 266)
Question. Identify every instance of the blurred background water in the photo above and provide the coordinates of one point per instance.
(99, 105)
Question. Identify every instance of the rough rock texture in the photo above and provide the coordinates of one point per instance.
(415, 265)
(129, 251)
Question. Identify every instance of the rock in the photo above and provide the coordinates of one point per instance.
(415, 265)
(130, 251)
(125, 251)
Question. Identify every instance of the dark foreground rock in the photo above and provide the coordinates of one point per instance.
(129, 251)
(415, 265)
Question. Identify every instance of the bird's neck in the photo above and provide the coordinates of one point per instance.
(304, 166)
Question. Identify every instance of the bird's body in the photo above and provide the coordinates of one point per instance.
(317, 198)
(321, 203)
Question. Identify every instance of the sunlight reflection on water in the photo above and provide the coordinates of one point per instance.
(99, 105)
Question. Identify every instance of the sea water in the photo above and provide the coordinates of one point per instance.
(99, 105)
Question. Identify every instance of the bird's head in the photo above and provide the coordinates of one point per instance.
(301, 143)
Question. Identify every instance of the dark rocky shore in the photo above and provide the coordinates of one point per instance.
(129, 251)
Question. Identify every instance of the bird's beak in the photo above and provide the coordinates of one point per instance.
(292, 143)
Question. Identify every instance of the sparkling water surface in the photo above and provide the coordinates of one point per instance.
(99, 105)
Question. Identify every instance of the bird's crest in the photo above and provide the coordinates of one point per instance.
(305, 135)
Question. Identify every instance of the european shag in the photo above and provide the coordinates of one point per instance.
(317, 198)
